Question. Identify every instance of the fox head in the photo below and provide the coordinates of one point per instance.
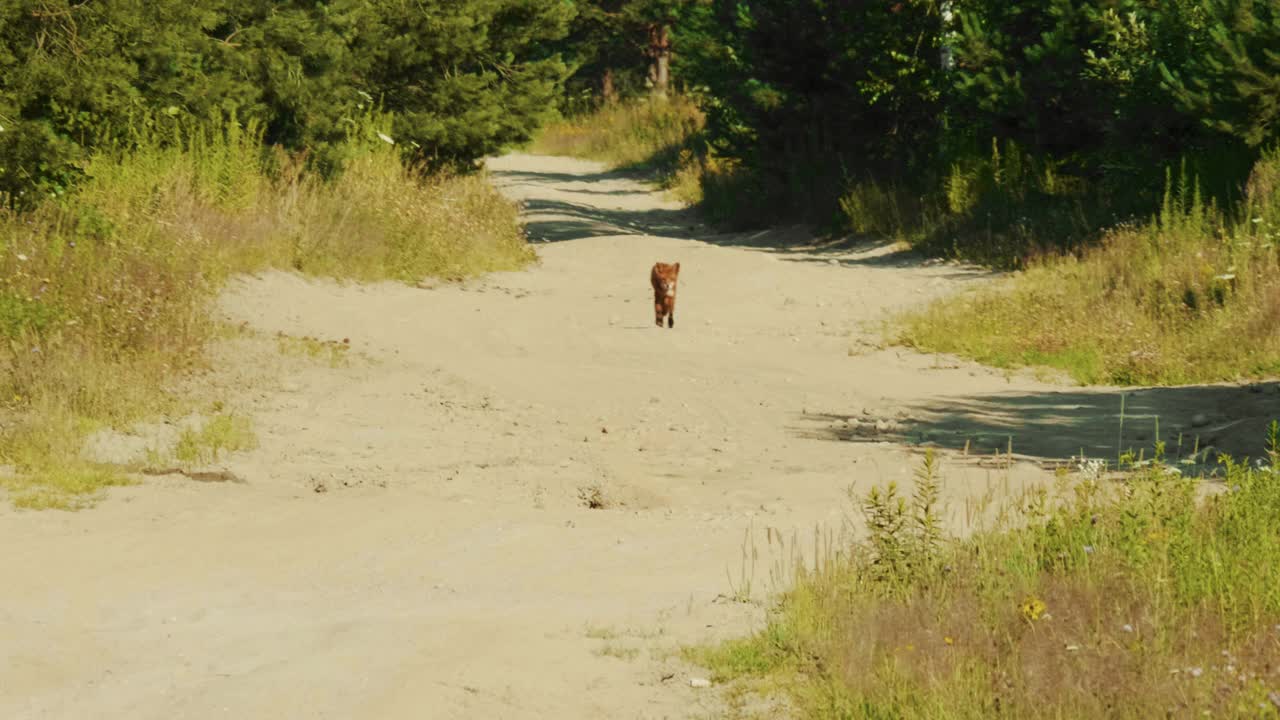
(665, 277)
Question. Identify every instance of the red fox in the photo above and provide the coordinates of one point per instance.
(663, 278)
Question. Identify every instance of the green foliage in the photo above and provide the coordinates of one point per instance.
(462, 79)
(1076, 80)
(808, 94)
(1232, 85)
(904, 538)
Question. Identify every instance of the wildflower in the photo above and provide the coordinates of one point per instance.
(22, 258)
(948, 640)
(1032, 608)
(1196, 672)
(1256, 220)
(1127, 628)
(1088, 549)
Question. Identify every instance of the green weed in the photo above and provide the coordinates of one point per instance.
(62, 486)
(220, 434)
(336, 353)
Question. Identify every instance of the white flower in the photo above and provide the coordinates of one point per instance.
(22, 258)
(387, 139)
(1257, 220)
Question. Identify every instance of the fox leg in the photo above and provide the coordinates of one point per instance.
(671, 316)
(657, 310)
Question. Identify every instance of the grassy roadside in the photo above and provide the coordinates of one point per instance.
(1105, 596)
(1191, 296)
(105, 293)
(653, 134)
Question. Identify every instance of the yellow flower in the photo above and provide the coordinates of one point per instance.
(948, 640)
(1032, 608)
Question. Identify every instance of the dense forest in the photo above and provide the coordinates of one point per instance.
(1047, 119)
(460, 79)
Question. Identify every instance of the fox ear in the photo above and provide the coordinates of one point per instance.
(677, 267)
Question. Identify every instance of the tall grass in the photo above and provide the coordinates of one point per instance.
(1094, 598)
(647, 131)
(1191, 296)
(105, 292)
(660, 136)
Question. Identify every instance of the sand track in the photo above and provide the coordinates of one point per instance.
(409, 540)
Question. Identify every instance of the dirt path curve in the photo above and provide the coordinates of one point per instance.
(410, 540)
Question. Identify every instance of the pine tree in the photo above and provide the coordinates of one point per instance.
(809, 91)
(1235, 84)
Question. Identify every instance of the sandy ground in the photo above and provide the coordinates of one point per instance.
(410, 539)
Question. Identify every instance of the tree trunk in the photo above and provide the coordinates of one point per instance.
(607, 90)
(660, 51)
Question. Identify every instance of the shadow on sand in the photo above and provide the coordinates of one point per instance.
(1053, 427)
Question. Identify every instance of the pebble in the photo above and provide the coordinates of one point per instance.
(1199, 420)
(699, 682)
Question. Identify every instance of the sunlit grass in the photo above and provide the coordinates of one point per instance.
(1188, 297)
(105, 293)
(1132, 598)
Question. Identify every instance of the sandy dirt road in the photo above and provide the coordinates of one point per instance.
(410, 539)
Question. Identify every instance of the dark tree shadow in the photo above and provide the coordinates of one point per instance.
(559, 220)
(1056, 426)
(562, 219)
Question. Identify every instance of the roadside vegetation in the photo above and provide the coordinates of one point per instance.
(1190, 296)
(106, 292)
(149, 152)
(1122, 595)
